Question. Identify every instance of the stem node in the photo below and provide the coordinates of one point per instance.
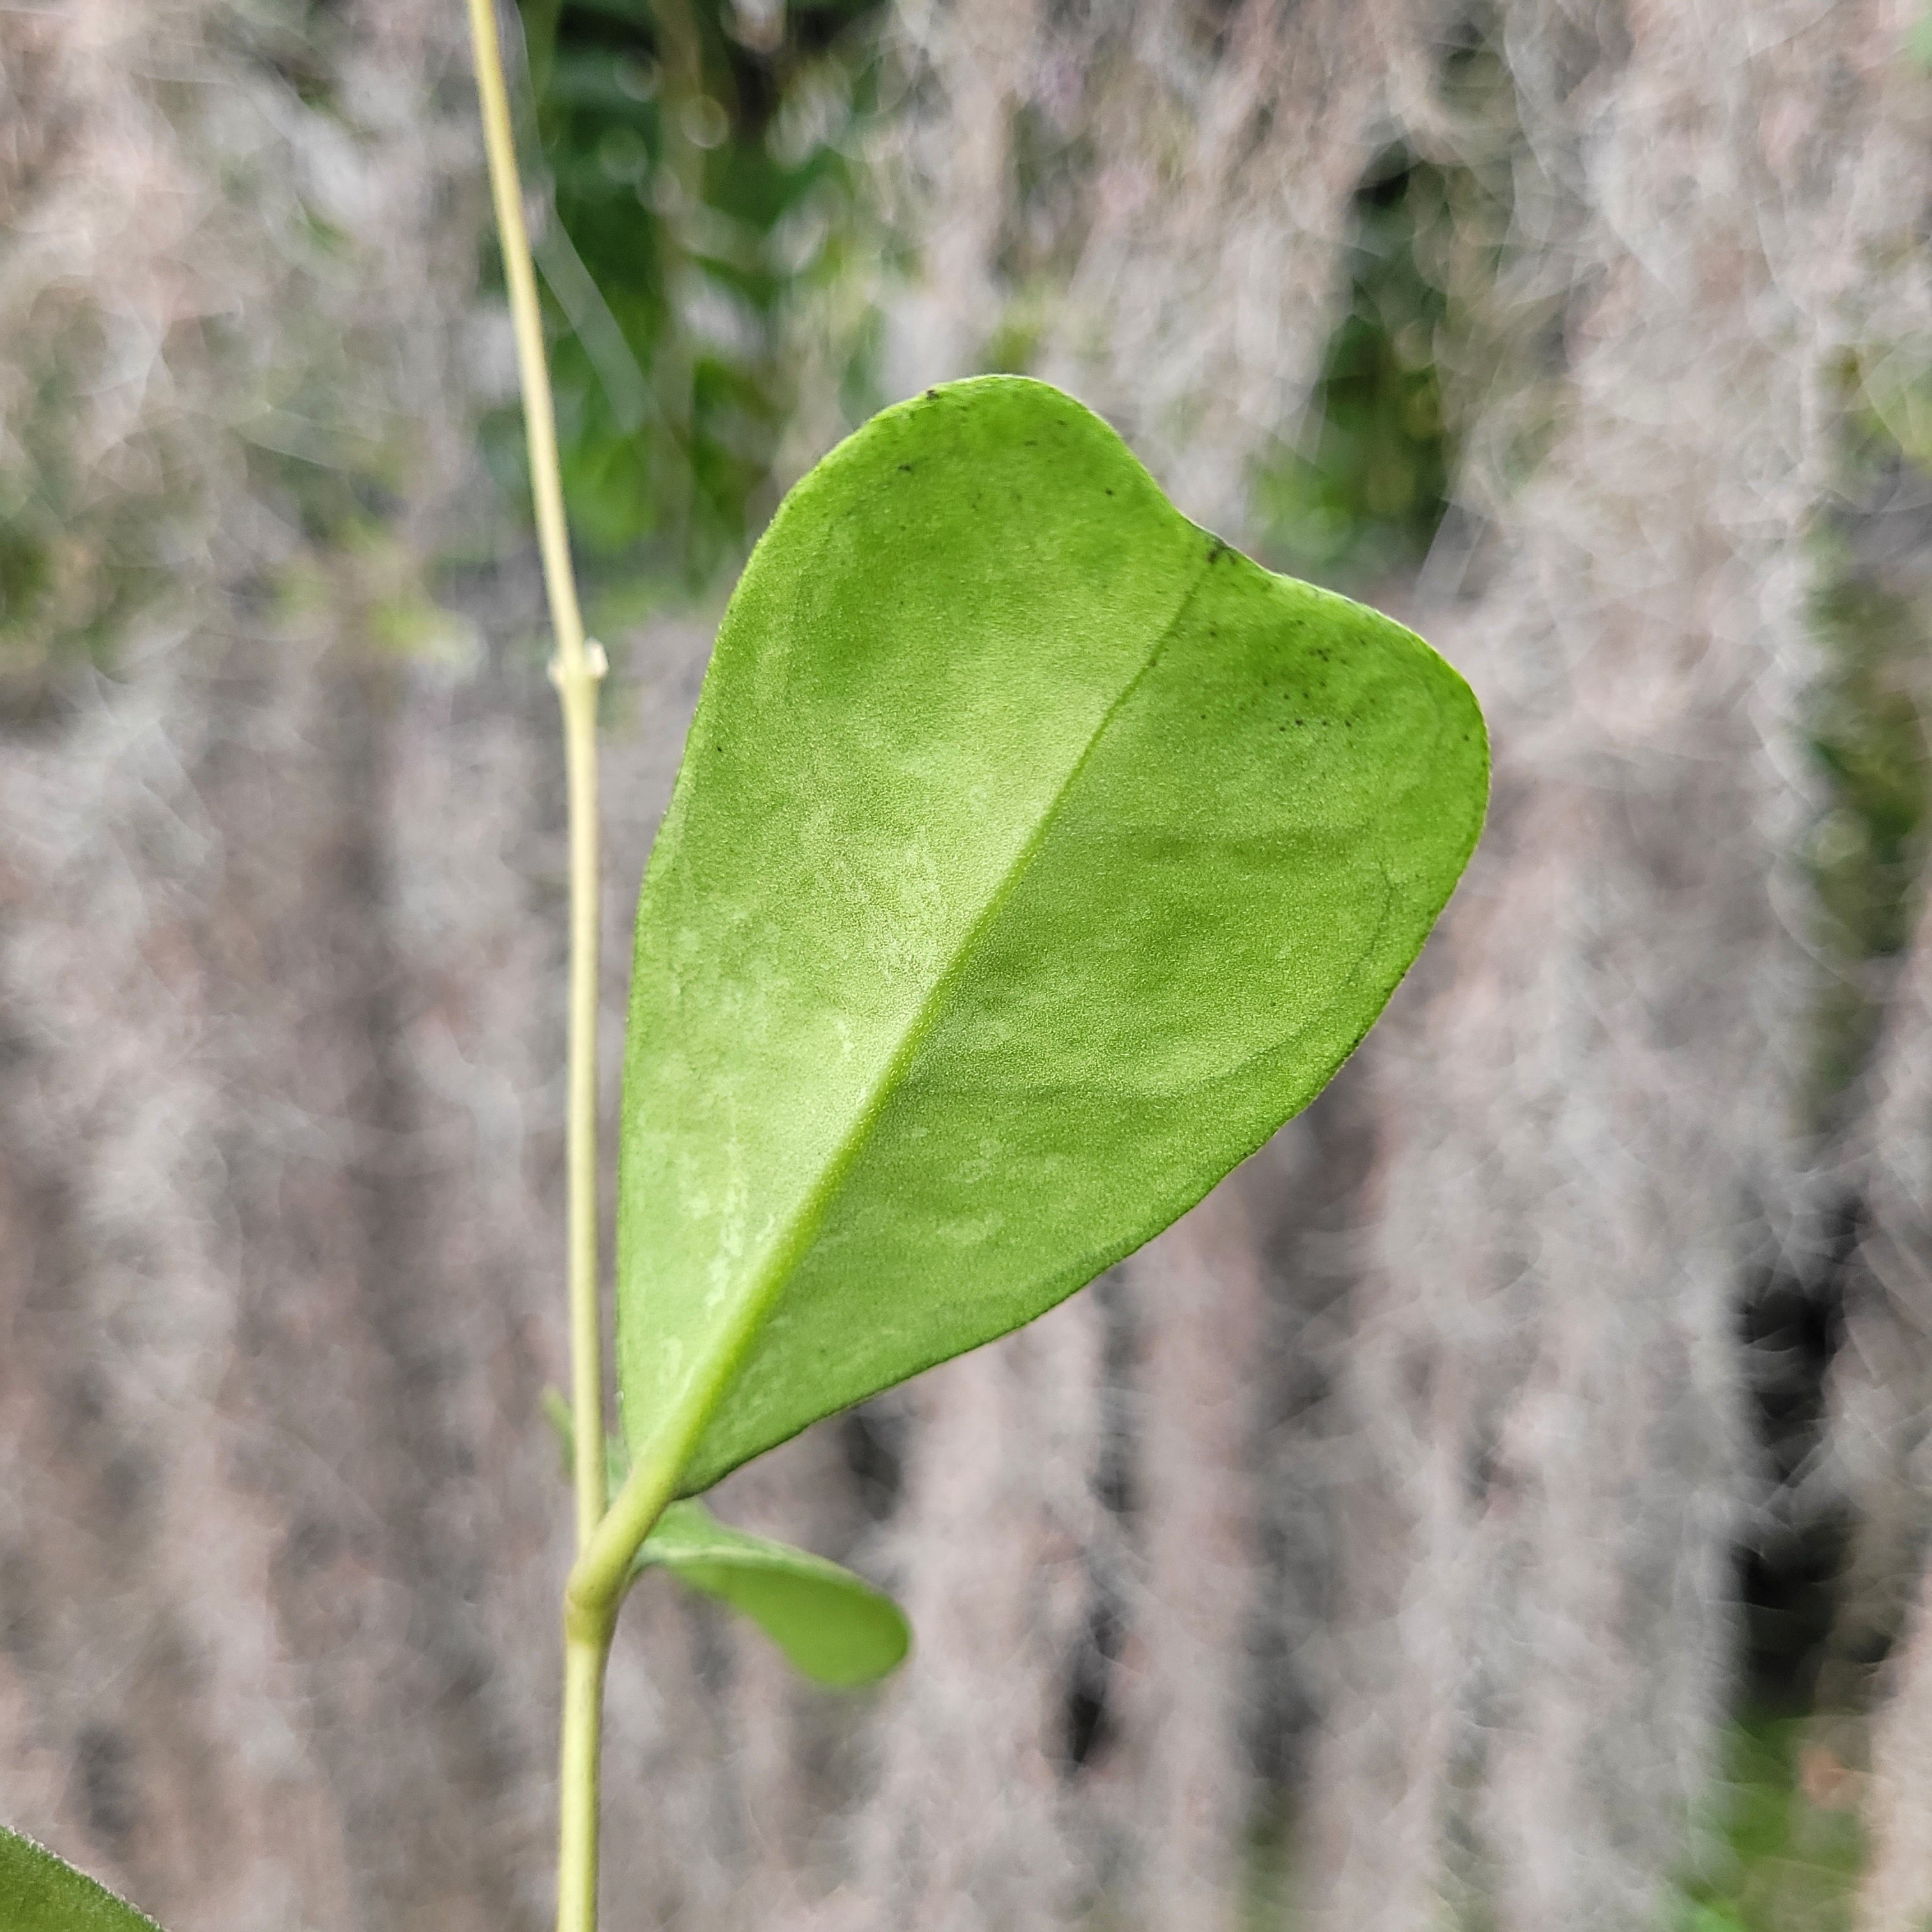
(590, 1614)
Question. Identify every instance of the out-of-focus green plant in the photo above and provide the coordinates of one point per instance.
(1363, 493)
(1436, 326)
(1919, 42)
(1865, 853)
(703, 159)
(77, 560)
(1868, 726)
(1779, 1861)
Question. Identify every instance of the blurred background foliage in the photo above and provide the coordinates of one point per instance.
(1871, 610)
(1355, 493)
(70, 572)
(1362, 491)
(704, 156)
(1785, 1853)
(696, 173)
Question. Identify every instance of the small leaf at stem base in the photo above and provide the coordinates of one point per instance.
(833, 1626)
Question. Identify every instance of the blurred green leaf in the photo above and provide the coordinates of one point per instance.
(1034, 856)
(40, 1893)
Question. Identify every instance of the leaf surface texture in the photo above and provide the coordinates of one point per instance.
(1034, 856)
(41, 1893)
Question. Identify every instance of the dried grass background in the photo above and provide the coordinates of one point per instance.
(1362, 1554)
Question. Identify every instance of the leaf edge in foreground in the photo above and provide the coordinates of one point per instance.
(87, 1906)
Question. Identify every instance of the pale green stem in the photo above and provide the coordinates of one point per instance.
(576, 670)
(583, 1659)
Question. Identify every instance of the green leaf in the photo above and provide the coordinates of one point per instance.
(1034, 856)
(40, 1893)
(832, 1626)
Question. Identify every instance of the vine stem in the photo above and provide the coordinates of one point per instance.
(576, 670)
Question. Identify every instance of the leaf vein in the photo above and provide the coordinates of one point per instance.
(685, 1423)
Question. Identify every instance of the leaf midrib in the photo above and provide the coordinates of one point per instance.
(688, 1418)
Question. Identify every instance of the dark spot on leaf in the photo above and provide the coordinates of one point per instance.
(907, 467)
(1110, 492)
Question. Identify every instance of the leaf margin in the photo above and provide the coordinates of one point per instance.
(89, 1907)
